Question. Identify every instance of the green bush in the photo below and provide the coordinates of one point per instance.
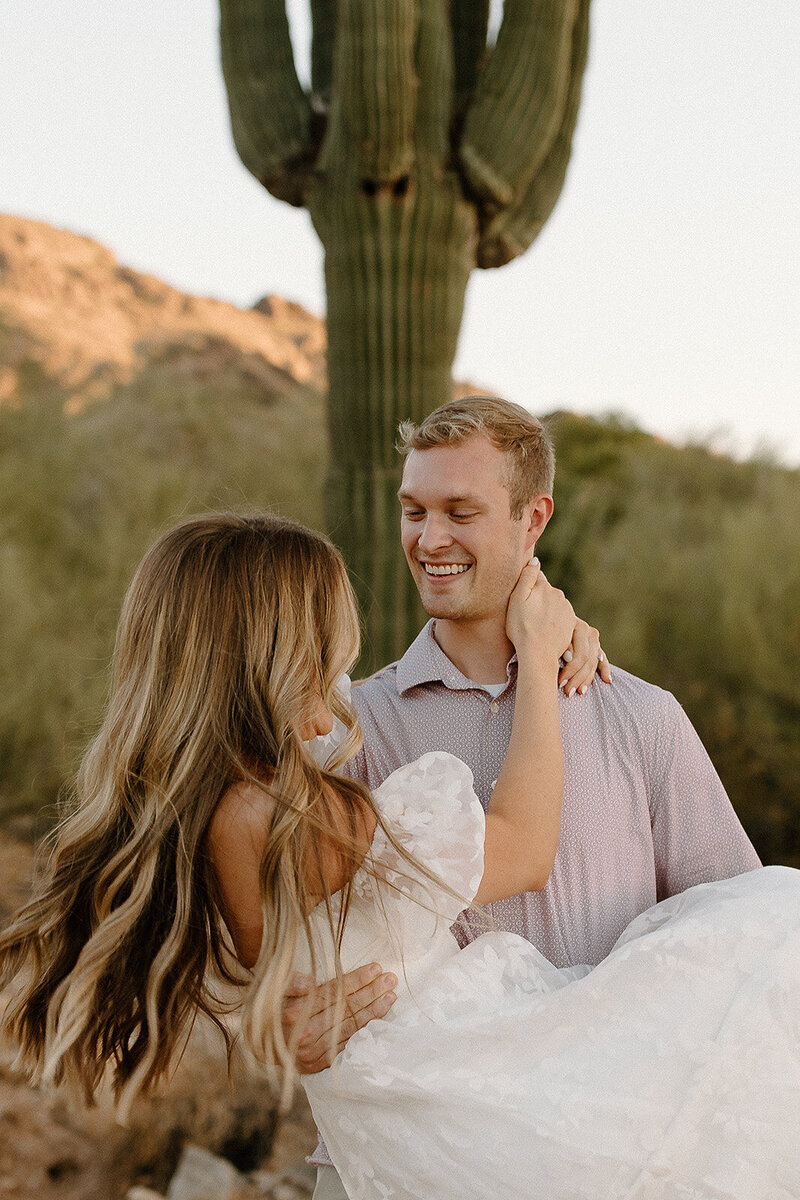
(81, 497)
(689, 564)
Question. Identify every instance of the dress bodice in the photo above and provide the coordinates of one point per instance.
(433, 814)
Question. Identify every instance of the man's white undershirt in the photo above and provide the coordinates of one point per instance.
(494, 689)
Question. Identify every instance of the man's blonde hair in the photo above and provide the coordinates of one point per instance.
(509, 427)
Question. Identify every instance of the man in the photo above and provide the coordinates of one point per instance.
(645, 815)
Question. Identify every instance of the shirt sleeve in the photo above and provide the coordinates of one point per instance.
(697, 836)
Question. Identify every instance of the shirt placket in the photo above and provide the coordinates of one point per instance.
(493, 734)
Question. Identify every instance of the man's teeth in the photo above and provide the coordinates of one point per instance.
(446, 568)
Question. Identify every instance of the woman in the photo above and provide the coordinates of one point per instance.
(232, 637)
(494, 1073)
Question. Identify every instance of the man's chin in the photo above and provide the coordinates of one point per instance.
(445, 608)
(441, 612)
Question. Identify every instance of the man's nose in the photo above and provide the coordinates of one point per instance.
(435, 534)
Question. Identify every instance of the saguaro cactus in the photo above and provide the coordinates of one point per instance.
(420, 153)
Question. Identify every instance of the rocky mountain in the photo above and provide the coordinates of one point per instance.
(91, 324)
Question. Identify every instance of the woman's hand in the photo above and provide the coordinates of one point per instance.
(582, 660)
(534, 624)
(539, 619)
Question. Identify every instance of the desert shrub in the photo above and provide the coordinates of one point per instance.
(689, 563)
(81, 497)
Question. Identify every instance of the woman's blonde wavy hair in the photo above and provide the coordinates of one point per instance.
(230, 624)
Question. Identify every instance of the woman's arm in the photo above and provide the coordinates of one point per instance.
(524, 814)
(235, 843)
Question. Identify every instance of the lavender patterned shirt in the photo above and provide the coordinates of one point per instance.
(645, 815)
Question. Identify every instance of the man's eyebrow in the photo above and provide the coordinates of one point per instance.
(449, 500)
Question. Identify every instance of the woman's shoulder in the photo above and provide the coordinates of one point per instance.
(431, 805)
(235, 843)
(437, 783)
(242, 818)
(429, 811)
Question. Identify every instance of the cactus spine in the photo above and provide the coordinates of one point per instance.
(420, 153)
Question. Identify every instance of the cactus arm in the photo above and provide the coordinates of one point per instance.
(375, 90)
(519, 102)
(271, 117)
(434, 61)
(511, 232)
(323, 37)
(470, 27)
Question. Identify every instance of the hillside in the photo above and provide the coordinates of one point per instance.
(91, 324)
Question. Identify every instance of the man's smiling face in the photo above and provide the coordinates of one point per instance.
(464, 548)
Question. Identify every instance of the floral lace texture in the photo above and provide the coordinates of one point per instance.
(399, 916)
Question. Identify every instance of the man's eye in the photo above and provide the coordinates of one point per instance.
(462, 516)
(412, 514)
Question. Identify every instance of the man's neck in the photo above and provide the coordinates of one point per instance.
(480, 649)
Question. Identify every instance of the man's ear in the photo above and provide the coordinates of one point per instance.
(537, 514)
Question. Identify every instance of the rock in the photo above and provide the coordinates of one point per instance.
(294, 1183)
(263, 1181)
(204, 1176)
(302, 1175)
(288, 1191)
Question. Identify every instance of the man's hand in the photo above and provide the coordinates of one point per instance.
(368, 994)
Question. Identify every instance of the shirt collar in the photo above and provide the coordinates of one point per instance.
(426, 662)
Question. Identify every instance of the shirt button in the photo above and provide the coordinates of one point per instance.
(494, 707)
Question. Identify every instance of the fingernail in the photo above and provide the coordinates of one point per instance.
(571, 693)
(534, 561)
(583, 689)
(567, 656)
(374, 971)
(390, 981)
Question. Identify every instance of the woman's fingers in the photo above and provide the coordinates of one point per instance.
(580, 670)
(604, 668)
(586, 659)
(367, 994)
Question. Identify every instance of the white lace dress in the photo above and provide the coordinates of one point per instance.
(671, 1071)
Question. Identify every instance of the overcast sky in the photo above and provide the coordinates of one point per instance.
(665, 285)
